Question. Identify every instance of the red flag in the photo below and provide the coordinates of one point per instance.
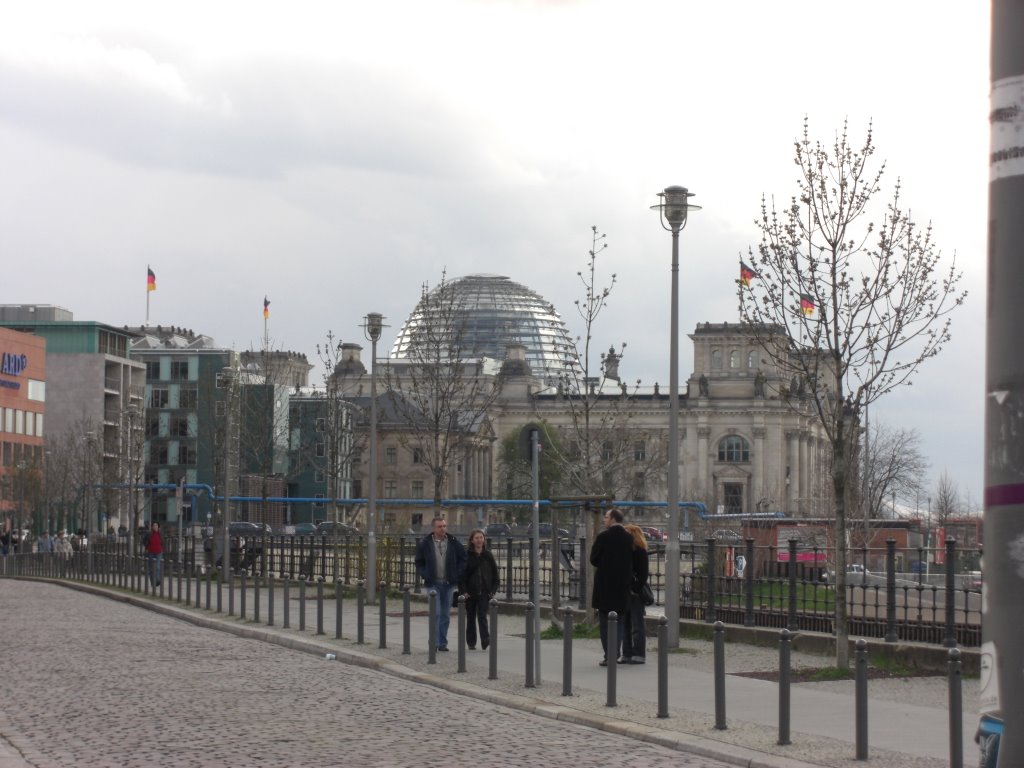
(266, 308)
(150, 280)
(747, 274)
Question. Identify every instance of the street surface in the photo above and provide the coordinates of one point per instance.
(94, 682)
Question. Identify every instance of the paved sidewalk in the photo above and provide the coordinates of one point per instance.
(908, 717)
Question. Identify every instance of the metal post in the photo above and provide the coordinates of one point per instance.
(406, 621)
(709, 612)
(302, 605)
(432, 626)
(360, 612)
(270, 599)
(256, 598)
(748, 586)
(784, 656)
(220, 590)
(950, 639)
(339, 596)
(372, 328)
(230, 577)
(508, 570)
(530, 607)
(567, 652)
(492, 672)
(861, 698)
(791, 621)
(241, 609)
(612, 658)
(320, 606)
(663, 667)
(583, 564)
(287, 602)
(208, 586)
(462, 633)
(720, 676)
(891, 636)
(956, 711)
(535, 549)
(383, 613)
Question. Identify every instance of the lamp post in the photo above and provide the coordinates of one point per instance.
(372, 328)
(673, 209)
(227, 382)
(133, 500)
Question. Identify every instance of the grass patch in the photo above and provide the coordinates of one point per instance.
(580, 631)
(828, 673)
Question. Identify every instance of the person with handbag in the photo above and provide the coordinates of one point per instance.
(479, 583)
(611, 555)
(634, 637)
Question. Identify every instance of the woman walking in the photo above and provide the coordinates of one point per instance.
(479, 584)
(634, 637)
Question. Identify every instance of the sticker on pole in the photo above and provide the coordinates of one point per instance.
(1007, 128)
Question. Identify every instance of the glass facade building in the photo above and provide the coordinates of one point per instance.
(489, 313)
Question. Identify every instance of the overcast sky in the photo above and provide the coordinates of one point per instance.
(336, 156)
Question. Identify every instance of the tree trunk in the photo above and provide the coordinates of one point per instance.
(839, 472)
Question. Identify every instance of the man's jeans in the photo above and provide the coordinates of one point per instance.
(156, 564)
(444, 610)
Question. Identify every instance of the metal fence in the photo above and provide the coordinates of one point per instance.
(793, 588)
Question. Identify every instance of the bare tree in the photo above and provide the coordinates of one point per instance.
(440, 393)
(895, 466)
(945, 502)
(850, 308)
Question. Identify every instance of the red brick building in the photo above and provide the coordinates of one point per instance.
(22, 409)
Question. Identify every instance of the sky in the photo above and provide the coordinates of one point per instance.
(336, 157)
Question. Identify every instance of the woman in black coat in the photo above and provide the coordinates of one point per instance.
(634, 635)
(479, 583)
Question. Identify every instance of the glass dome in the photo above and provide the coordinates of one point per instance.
(491, 312)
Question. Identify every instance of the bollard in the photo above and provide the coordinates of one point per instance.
(179, 582)
(712, 583)
(406, 622)
(339, 596)
(663, 667)
(382, 603)
(220, 590)
(791, 622)
(208, 586)
(320, 606)
(748, 586)
(256, 598)
(719, 676)
(188, 591)
(891, 636)
(287, 602)
(956, 711)
(230, 577)
(784, 678)
(360, 612)
(462, 633)
(241, 608)
(529, 644)
(861, 699)
(612, 657)
(567, 653)
(950, 639)
(270, 599)
(432, 627)
(492, 671)
(302, 605)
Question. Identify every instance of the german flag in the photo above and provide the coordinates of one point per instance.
(150, 280)
(747, 274)
(807, 304)
(266, 308)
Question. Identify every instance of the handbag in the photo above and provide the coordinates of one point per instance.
(646, 595)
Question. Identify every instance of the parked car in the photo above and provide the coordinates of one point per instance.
(655, 535)
(545, 531)
(974, 580)
(498, 530)
(300, 529)
(331, 528)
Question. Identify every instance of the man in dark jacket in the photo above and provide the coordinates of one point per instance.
(612, 557)
(440, 560)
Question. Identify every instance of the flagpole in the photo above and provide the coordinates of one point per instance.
(147, 295)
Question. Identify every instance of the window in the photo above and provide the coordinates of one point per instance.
(319, 476)
(179, 426)
(574, 449)
(219, 410)
(639, 489)
(158, 453)
(318, 504)
(733, 448)
(417, 520)
(321, 425)
(716, 358)
(188, 398)
(158, 397)
(19, 422)
(417, 489)
(734, 359)
(37, 390)
(153, 370)
(391, 456)
(179, 370)
(187, 454)
(152, 425)
(639, 451)
(417, 457)
(390, 489)
(752, 359)
(321, 450)
(606, 450)
(732, 498)
(39, 425)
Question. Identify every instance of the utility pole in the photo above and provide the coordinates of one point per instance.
(1002, 654)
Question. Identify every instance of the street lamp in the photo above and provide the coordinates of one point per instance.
(372, 327)
(227, 382)
(673, 209)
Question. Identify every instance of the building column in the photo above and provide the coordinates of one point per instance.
(757, 481)
(703, 474)
(793, 476)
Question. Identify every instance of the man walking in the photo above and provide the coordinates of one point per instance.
(612, 557)
(440, 560)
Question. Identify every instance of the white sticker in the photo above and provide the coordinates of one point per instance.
(988, 682)
(1007, 126)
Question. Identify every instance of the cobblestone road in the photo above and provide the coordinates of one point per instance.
(93, 682)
